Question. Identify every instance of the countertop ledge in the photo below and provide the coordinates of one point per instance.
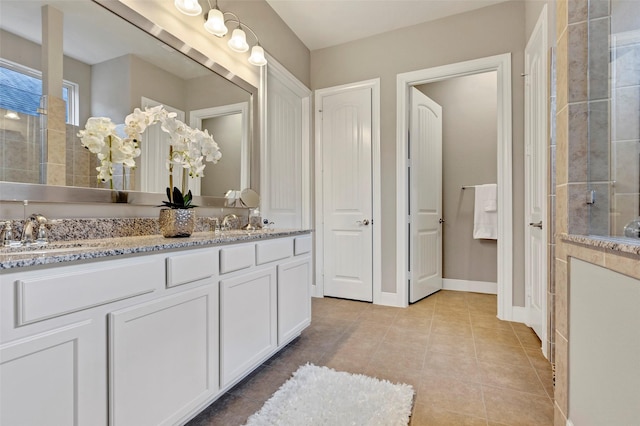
(113, 247)
(616, 244)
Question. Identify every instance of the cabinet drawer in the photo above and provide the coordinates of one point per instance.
(302, 245)
(236, 258)
(186, 268)
(78, 288)
(273, 250)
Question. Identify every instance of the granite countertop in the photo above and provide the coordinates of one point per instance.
(619, 244)
(69, 251)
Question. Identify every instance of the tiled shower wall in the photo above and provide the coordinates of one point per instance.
(551, 210)
(583, 155)
(599, 154)
(21, 155)
(80, 162)
(572, 166)
(20, 149)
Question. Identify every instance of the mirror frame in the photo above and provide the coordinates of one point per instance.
(14, 191)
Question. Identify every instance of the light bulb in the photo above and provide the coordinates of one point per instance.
(12, 115)
(188, 7)
(257, 56)
(215, 23)
(238, 41)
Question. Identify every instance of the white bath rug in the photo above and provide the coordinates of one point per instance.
(317, 396)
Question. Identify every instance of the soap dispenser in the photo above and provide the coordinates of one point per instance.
(255, 218)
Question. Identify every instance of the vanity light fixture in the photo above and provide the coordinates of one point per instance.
(12, 115)
(216, 24)
(238, 41)
(188, 7)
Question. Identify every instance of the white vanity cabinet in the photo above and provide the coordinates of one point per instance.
(53, 378)
(163, 357)
(150, 339)
(294, 298)
(53, 357)
(248, 322)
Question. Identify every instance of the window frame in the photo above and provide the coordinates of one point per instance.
(73, 89)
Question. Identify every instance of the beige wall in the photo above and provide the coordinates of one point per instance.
(484, 32)
(211, 91)
(469, 157)
(110, 85)
(119, 84)
(225, 175)
(533, 8)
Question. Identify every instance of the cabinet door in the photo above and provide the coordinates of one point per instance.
(54, 378)
(247, 322)
(163, 359)
(294, 299)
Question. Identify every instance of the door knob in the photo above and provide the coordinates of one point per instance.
(364, 222)
(536, 225)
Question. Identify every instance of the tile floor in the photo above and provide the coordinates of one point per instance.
(466, 366)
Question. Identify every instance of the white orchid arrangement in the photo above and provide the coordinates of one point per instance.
(101, 137)
(189, 148)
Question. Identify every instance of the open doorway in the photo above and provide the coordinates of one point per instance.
(500, 66)
(469, 158)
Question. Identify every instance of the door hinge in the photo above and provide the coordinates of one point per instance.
(409, 275)
(591, 197)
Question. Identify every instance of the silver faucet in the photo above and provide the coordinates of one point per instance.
(7, 235)
(40, 236)
(225, 221)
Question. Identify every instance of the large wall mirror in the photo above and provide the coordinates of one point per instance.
(111, 65)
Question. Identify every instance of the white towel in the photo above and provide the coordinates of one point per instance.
(485, 214)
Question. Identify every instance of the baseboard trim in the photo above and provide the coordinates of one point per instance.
(472, 286)
(388, 299)
(519, 314)
(315, 292)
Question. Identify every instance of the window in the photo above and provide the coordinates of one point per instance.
(21, 90)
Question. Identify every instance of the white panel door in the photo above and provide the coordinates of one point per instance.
(535, 179)
(347, 194)
(163, 358)
(425, 172)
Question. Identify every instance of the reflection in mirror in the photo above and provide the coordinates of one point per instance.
(229, 125)
(111, 67)
(614, 117)
(625, 116)
(250, 198)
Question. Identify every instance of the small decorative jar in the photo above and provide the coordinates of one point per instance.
(176, 223)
